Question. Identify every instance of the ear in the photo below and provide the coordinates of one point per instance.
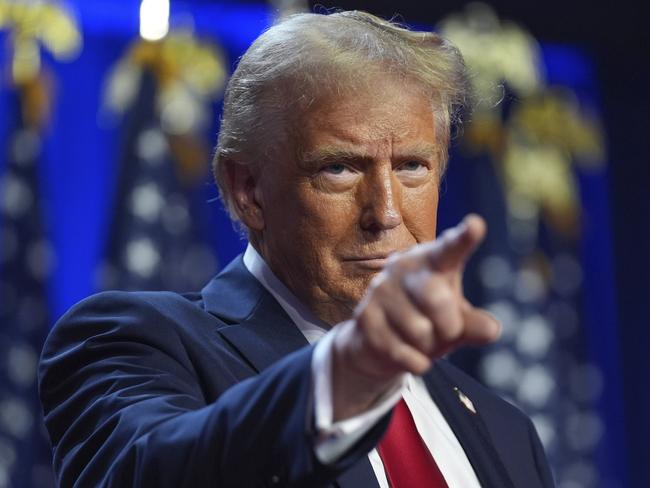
(243, 181)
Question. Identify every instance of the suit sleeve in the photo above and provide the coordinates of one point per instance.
(124, 407)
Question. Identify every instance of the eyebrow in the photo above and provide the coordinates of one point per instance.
(327, 154)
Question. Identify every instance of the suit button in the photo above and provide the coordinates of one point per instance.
(275, 479)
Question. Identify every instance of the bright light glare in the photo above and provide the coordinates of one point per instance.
(154, 19)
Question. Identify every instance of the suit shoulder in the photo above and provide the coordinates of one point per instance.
(149, 317)
(116, 301)
(486, 399)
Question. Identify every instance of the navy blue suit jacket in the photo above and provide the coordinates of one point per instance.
(213, 389)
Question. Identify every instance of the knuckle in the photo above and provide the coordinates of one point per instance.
(439, 297)
(369, 327)
(417, 282)
(420, 329)
(450, 331)
(396, 355)
(432, 296)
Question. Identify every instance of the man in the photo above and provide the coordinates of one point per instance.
(333, 142)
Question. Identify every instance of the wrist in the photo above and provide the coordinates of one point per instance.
(355, 388)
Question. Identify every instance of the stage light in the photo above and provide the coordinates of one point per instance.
(154, 19)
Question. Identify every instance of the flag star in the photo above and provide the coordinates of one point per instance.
(147, 202)
(151, 146)
(529, 286)
(142, 257)
(534, 337)
(501, 369)
(535, 386)
(495, 272)
(15, 417)
(16, 197)
(507, 315)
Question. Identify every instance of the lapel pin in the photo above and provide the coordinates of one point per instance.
(464, 399)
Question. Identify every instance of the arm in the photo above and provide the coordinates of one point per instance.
(124, 407)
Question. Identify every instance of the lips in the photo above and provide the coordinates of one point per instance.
(369, 263)
(374, 261)
(371, 257)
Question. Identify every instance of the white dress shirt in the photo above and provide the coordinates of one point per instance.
(336, 437)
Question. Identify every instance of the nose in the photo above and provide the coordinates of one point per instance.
(381, 202)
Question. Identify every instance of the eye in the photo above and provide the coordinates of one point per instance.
(334, 169)
(335, 176)
(412, 166)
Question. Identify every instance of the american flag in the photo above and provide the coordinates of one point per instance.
(519, 166)
(154, 243)
(530, 276)
(26, 260)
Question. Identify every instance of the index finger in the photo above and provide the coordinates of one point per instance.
(456, 245)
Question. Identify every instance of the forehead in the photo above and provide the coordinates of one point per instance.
(386, 114)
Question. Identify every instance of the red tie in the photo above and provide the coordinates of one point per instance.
(407, 461)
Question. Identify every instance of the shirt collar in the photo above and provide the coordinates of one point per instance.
(311, 326)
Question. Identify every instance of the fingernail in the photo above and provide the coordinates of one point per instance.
(497, 323)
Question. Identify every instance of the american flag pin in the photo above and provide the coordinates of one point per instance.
(464, 399)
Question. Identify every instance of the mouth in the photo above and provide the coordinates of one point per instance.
(373, 262)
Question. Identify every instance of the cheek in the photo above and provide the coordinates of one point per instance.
(331, 216)
(420, 213)
(312, 224)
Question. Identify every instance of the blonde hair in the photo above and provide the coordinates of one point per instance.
(315, 55)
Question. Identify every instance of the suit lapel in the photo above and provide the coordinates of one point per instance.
(470, 430)
(359, 475)
(260, 329)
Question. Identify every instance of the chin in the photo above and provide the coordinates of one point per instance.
(358, 285)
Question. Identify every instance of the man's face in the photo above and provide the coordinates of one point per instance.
(360, 183)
